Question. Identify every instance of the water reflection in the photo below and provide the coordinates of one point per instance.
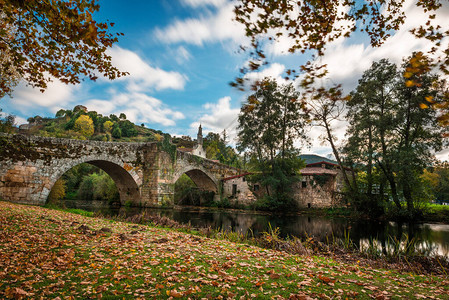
(362, 232)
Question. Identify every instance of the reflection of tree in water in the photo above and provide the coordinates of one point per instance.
(363, 233)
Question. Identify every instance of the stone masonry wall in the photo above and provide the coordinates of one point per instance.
(30, 165)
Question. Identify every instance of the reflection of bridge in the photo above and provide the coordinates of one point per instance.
(143, 172)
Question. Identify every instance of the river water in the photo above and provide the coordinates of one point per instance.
(361, 232)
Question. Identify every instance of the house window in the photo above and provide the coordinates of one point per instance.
(304, 184)
(234, 189)
(243, 178)
(256, 187)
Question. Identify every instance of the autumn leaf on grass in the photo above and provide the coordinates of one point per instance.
(326, 279)
(17, 293)
(174, 294)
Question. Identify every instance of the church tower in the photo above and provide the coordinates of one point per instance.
(199, 136)
(198, 149)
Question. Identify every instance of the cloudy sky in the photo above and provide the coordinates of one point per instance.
(181, 56)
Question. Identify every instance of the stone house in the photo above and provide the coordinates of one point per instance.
(320, 184)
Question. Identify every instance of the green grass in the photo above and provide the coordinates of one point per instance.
(50, 261)
(436, 213)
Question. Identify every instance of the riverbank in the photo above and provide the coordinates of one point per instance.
(50, 253)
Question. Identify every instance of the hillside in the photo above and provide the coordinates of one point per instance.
(79, 123)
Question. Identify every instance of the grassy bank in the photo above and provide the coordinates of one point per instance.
(436, 213)
(50, 253)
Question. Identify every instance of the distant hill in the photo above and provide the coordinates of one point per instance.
(79, 123)
(313, 158)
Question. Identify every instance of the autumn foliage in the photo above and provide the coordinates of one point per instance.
(54, 39)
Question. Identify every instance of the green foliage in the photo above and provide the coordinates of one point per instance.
(98, 186)
(392, 135)
(7, 123)
(269, 124)
(167, 146)
(128, 129)
(217, 149)
(186, 191)
(116, 132)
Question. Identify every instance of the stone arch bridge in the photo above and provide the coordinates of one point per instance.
(143, 172)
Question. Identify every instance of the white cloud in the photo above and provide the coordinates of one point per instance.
(142, 76)
(198, 3)
(182, 55)
(209, 27)
(138, 108)
(274, 71)
(347, 60)
(219, 116)
(57, 95)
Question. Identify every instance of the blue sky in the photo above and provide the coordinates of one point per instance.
(181, 55)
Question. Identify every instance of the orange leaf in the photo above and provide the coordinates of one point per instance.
(423, 106)
(409, 83)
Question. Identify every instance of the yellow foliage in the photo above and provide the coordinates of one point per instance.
(430, 99)
(57, 192)
(108, 126)
(158, 137)
(84, 125)
(408, 74)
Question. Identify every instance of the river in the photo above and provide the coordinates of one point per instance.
(361, 232)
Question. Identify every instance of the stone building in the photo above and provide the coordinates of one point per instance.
(321, 183)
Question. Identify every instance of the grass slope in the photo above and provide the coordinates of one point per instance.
(50, 253)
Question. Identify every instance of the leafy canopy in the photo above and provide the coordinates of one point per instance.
(54, 39)
(309, 26)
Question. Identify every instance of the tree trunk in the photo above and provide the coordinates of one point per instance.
(337, 156)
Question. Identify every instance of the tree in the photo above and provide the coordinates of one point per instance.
(418, 133)
(54, 39)
(269, 123)
(108, 126)
(309, 26)
(7, 122)
(116, 132)
(394, 127)
(57, 192)
(84, 125)
(326, 107)
(9, 75)
(371, 111)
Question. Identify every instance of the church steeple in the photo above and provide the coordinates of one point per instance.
(199, 137)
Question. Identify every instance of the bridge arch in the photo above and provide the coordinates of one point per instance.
(202, 178)
(127, 182)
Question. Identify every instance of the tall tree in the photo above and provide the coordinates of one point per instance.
(418, 133)
(269, 124)
(84, 125)
(59, 39)
(325, 108)
(393, 123)
(371, 111)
